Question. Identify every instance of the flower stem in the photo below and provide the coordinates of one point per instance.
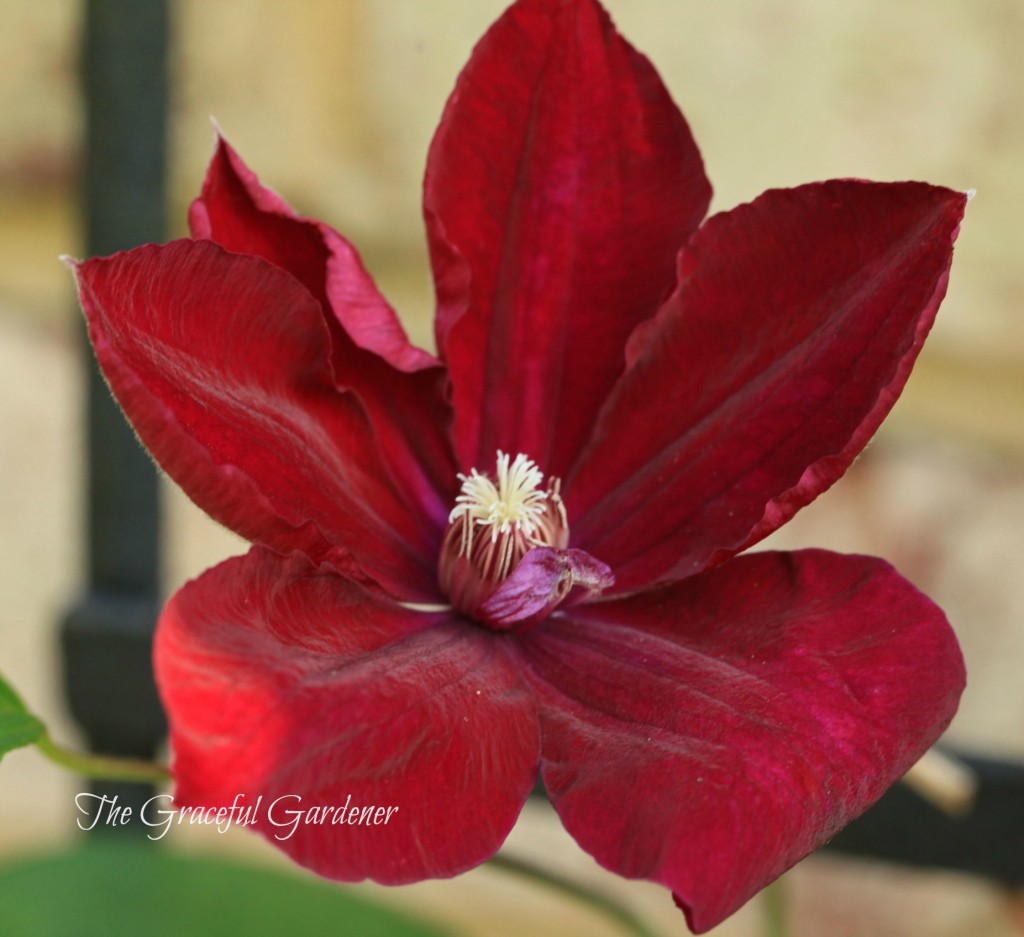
(581, 893)
(102, 766)
(774, 903)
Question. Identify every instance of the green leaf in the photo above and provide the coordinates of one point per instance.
(113, 889)
(18, 727)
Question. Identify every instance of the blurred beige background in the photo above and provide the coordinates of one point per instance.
(333, 102)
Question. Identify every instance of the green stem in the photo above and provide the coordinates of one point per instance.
(774, 897)
(574, 890)
(102, 766)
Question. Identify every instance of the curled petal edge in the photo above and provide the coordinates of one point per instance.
(542, 581)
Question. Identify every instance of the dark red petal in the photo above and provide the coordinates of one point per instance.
(560, 184)
(709, 735)
(401, 387)
(796, 323)
(302, 688)
(220, 362)
(541, 582)
(239, 213)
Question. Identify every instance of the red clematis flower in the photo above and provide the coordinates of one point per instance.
(522, 555)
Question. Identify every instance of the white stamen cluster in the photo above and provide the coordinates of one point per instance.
(515, 500)
(496, 521)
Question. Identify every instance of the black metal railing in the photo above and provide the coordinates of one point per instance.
(107, 634)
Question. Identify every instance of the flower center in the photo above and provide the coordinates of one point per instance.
(494, 524)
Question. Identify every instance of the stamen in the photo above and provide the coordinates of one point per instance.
(515, 504)
(494, 523)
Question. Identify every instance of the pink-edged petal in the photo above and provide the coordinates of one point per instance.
(560, 184)
(220, 362)
(710, 734)
(542, 581)
(299, 687)
(794, 328)
(401, 387)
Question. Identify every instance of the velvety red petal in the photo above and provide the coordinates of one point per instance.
(238, 212)
(795, 325)
(301, 688)
(560, 184)
(220, 362)
(710, 734)
(401, 387)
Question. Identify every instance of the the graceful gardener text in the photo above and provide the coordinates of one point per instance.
(284, 814)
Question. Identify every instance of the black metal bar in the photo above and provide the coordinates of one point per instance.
(903, 827)
(107, 634)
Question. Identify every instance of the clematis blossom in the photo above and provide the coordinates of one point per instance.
(525, 555)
